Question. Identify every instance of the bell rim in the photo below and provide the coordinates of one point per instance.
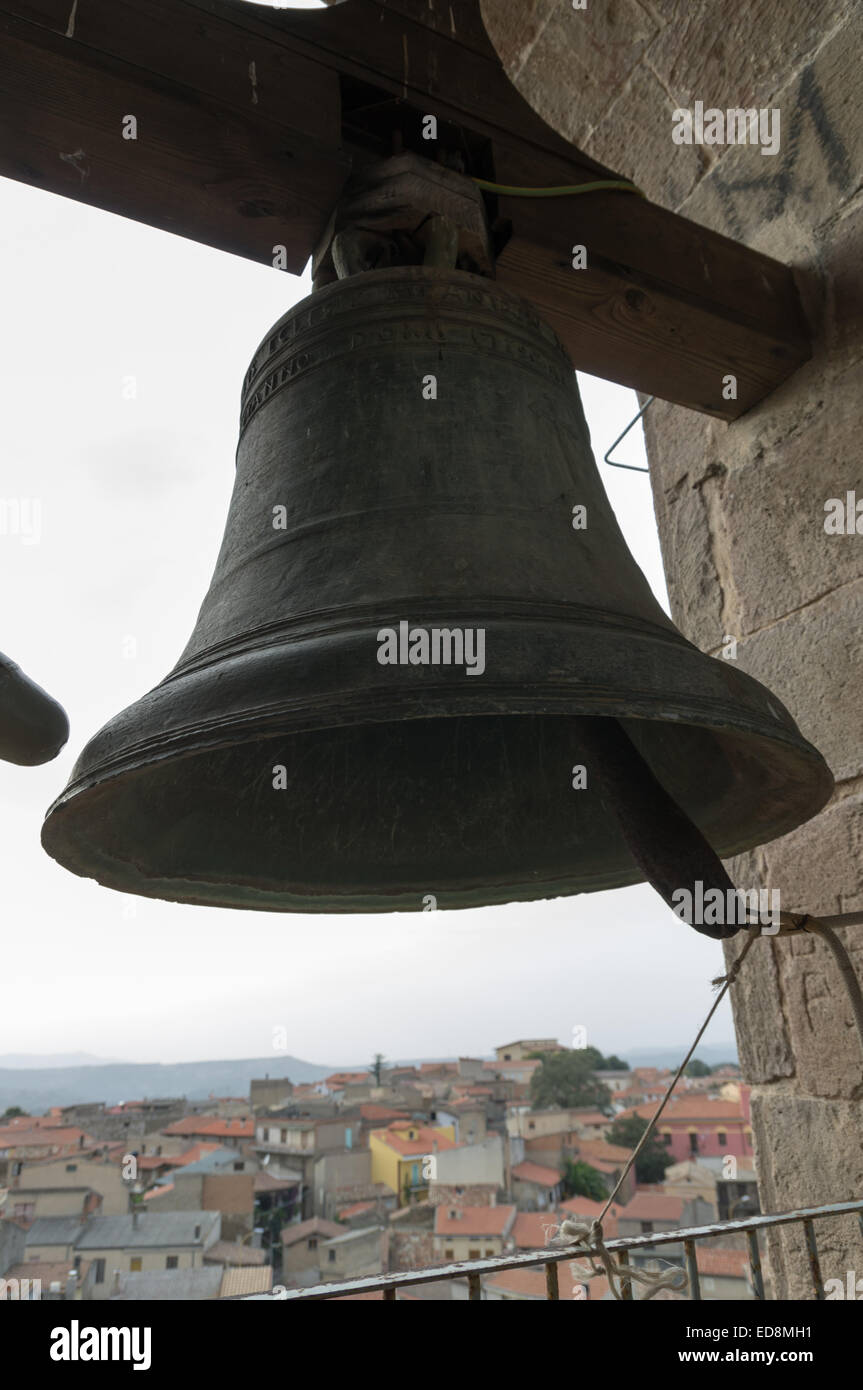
(62, 840)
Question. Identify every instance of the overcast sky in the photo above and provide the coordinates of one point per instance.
(132, 496)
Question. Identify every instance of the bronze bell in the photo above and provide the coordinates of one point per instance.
(410, 634)
(33, 727)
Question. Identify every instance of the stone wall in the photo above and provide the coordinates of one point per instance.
(740, 507)
(410, 1250)
(480, 1194)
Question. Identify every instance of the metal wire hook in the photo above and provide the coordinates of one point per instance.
(633, 468)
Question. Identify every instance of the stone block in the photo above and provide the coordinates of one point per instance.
(568, 64)
(763, 1043)
(808, 1152)
(819, 866)
(736, 55)
(780, 557)
(695, 589)
(826, 1045)
(772, 201)
(814, 662)
(514, 31)
(634, 137)
(841, 250)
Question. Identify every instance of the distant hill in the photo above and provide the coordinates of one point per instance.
(36, 1083)
(27, 1060)
(37, 1088)
(714, 1054)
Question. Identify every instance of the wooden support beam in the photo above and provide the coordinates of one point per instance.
(241, 146)
(664, 305)
(215, 159)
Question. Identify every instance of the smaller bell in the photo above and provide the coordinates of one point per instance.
(33, 727)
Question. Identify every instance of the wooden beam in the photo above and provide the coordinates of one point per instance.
(663, 305)
(240, 146)
(214, 160)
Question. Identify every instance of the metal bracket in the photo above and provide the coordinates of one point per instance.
(632, 467)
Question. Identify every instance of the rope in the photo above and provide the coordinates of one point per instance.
(724, 981)
(589, 1234)
(581, 1234)
(563, 191)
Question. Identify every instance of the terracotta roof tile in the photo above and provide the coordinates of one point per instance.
(315, 1226)
(588, 1149)
(381, 1113)
(650, 1206)
(732, 1264)
(426, 1141)
(584, 1209)
(536, 1173)
(239, 1282)
(472, 1221)
(355, 1209)
(532, 1229)
(213, 1125)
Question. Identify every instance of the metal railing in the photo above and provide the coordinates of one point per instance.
(550, 1257)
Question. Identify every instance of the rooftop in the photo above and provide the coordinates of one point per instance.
(160, 1285)
(55, 1230)
(212, 1125)
(265, 1182)
(227, 1252)
(356, 1209)
(239, 1283)
(584, 1209)
(691, 1108)
(589, 1149)
(427, 1140)
(56, 1136)
(315, 1226)
(207, 1158)
(362, 1233)
(652, 1206)
(380, 1114)
(729, 1264)
(49, 1271)
(536, 1173)
(473, 1221)
(155, 1229)
(532, 1229)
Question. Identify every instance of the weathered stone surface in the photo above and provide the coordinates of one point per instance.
(813, 662)
(780, 555)
(569, 64)
(695, 588)
(514, 33)
(773, 202)
(691, 443)
(634, 139)
(609, 76)
(826, 1045)
(817, 866)
(735, 55)
(808, 1152)
(842, 256)
(762, 1036)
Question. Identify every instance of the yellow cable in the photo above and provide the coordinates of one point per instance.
(564, 190)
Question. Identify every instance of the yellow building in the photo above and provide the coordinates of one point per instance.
(403, 1156)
